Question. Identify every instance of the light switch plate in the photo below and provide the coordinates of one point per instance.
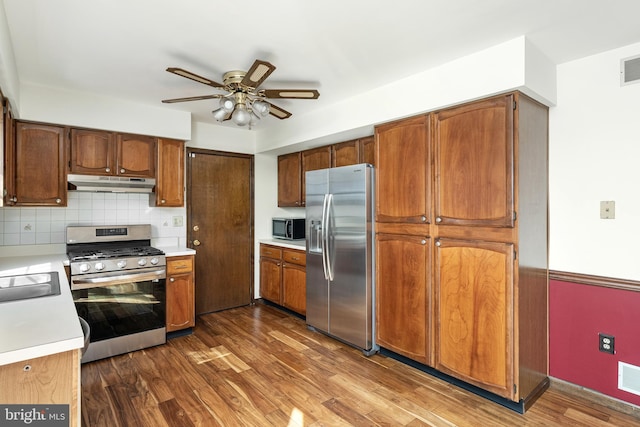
(607, 209)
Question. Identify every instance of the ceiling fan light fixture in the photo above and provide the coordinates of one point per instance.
(260, 108)
(241, 116)
(220, 114)
(227, 104)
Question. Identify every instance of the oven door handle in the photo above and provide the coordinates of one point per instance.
(102, 281)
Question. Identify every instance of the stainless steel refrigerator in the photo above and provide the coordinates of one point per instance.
(340, 254)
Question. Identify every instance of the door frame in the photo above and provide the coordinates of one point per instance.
(251, 157)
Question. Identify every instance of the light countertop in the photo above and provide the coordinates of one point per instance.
(42, 326)
(292, 244)
(176, 250)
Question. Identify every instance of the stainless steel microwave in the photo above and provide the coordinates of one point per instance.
(288, 228)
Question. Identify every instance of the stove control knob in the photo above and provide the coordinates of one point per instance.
(84, 267)
(99, 266)
(154, 261)
(142, 262)
(122, 264)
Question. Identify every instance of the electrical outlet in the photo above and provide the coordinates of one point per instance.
(177, 221)
(606, 343)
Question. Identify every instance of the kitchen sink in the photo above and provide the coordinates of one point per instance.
(26, 286)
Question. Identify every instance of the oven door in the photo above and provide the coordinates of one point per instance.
(122, 302)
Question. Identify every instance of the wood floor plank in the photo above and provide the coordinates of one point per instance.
(259, 366)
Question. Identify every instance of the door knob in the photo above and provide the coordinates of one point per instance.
(196, 242)
(196, 228)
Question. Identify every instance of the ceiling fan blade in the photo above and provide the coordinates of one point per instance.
(191, 98)
(291, 93)
(278, 112)
(195, 77)
(258, 73)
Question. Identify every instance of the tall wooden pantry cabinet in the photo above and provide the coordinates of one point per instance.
(467, 250)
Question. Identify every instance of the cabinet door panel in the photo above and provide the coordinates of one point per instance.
(403, 295)
(345, 153)
(136, 155)
(403, 175)
(289, 180)
(92, 152)
(367, 150)
(474, 305)
(474, 158)
(270, 279)
(170, 181)
(38, 182)
(294, 294)
(180, 302)
(319, 158)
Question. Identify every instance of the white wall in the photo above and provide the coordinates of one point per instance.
(594, 153)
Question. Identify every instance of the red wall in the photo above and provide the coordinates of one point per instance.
(577, 313)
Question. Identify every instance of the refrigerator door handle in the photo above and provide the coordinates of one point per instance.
(323, 236)
(327, 235)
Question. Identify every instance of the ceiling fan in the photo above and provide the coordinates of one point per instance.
(244, 103)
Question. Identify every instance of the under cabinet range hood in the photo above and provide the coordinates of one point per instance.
(110, 184)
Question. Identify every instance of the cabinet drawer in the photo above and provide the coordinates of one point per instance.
(294, 257)
(179, 265)
(270, 252)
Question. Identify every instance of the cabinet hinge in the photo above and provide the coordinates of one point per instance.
(515, 105)
(515, 255)
(515, 215)
(515, 389)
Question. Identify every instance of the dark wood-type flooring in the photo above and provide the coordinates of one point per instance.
(258, 366)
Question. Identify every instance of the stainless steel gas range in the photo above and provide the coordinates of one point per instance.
(118, 287)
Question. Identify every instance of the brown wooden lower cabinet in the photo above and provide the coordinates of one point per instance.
(53, 379)
(474, 308)
(180, 293)
(403, 295)
(283, 277)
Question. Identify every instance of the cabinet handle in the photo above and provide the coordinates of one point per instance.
(278, 264)
(58, 201)
(424, 218)
(423, 241)
(14, 199)
(177, 267)
(295, 258)
(163, 201)
(171, 279)
(107, 170)
(438, 219)
(438, 243)
(122, 170)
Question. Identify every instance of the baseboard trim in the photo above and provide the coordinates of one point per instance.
(593, 396)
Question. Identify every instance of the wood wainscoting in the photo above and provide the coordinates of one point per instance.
(258, 366)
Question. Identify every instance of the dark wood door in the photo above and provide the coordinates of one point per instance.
(220, 227)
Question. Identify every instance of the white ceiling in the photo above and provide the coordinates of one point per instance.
(122, 48)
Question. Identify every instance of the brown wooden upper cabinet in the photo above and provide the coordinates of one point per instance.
(292, 167)
(96, 152)
(30, 180)
(317, 158)
(170, 177)
(353, 152)
(403, 171)
(474, 164)
(289, 180)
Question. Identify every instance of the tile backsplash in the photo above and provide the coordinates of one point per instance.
(46, 226)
